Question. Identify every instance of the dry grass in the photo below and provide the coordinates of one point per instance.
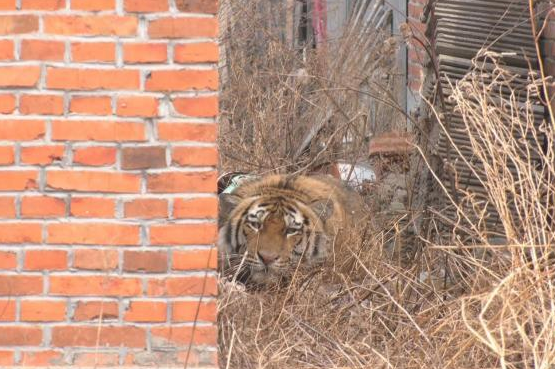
(461, 301)
(276, 94)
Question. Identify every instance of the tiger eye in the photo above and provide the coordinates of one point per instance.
(255, 225)
(291, 231)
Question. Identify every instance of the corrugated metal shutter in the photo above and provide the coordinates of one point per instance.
(458, 30)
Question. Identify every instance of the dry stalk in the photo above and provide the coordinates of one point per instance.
(291, 108)
(463, 303)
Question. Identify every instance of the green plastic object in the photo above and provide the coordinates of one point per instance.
(236, 181)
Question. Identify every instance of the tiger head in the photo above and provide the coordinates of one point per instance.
(265, 237)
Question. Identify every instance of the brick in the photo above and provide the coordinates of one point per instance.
(137, 53)
(95, 359)
(183, 234)
(20, 285)
(93, 181)
(42, 358)
(91, 336)
(105, 131)
(181, 80)
(204, 107)
(416, 26)
(195, 156)
(182, 286)
(7, 155)
(45, 260)
(94, 25)
(93, 52)
(41, 104)
(43, 4)
(42, 50)
(197, 6)
(146, 311)
(417, 56)
(18, 24)
(143, 157)
(94, 286)
(198, 357)
(91, 79)
(7, 310)
(96, 5)
(42, 155)
(7, 207)
(415, 10)
(186, 311)
(201, 208)
(200, 52)
(27, 76)
(93, 310)
(95, 155)
(92, 207)
(6, 50)
(42, 207)
(194, 259)
(8, 5)
(7, 103)
(171, 131)
(18, 180)
(145, 261)
(8, 260)
(415, 85)
(393, 142)
(43, 311)
(137, 106)
(174, 182)
(20, 336)
(93, 234)
(415, 70)
(20, 233)
(93, 105)
(7, 357)
(184, 336)
(95, 259)
(183, 28)
(146, 208)
(22, 129)
(146, 6)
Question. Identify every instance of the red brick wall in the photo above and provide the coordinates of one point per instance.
(107, 182)
(416, 52)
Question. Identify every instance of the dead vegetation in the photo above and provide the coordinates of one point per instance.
(280, 94)
(460, 299)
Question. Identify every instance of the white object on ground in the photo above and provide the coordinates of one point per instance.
(359, 173)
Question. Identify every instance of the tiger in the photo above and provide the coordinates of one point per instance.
(273, 225)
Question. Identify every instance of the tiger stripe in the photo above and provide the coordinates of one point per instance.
(278, 222)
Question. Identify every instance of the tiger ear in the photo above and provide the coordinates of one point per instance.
(323, 208)
(227, 202)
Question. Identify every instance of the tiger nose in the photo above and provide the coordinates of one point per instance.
(267, 257)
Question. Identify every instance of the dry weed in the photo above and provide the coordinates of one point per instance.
(287, 107)
(461, 301)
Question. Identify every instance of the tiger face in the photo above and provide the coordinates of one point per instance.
(267, 237)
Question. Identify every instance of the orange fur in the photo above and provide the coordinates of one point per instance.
(265, 226)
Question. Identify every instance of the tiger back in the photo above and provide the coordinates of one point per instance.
(273, 226)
